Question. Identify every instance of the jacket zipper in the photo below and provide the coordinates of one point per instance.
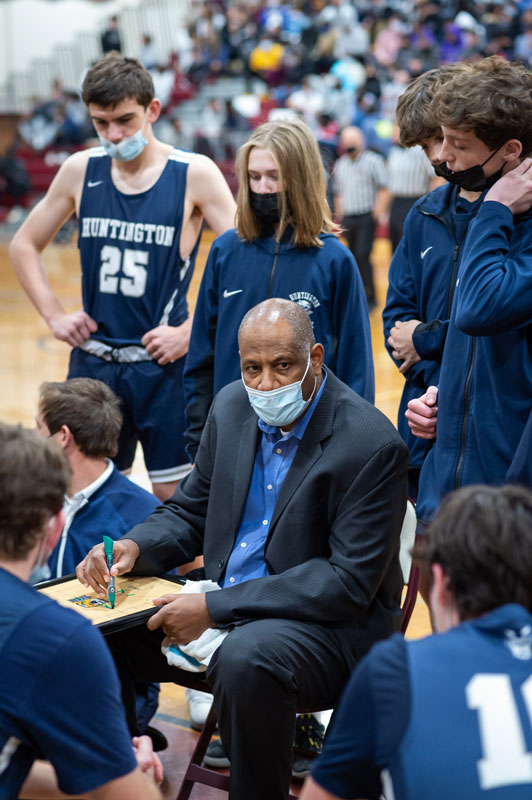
(466, 414)
(272, 271)
(454, 269)
(469, 376)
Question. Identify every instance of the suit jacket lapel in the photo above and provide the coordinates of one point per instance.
(247, 449)
(310, 447)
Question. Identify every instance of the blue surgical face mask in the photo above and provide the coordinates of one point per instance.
(281, 406)
(128, 148)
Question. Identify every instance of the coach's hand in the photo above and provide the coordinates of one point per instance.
(183, 617)
(93, 572)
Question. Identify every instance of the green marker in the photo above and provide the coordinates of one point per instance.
(108, 545)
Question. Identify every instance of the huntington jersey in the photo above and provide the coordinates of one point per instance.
(133, 276)
(448, 717)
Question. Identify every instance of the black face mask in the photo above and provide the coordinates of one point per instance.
(351, 150)
(267, 206)
(471, 179)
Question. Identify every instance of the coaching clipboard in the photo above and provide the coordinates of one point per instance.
(133, 601)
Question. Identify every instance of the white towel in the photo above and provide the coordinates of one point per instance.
(195, 656)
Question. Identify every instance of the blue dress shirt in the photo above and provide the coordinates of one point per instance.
(272, 462)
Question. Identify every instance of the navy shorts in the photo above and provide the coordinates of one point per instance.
(153, 405)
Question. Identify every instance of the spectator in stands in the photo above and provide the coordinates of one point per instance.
(148, 54)
(266, 60)
(110, 38)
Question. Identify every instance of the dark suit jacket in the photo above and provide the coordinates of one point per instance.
(332, 548)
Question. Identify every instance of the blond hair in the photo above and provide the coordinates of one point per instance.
(302, 181)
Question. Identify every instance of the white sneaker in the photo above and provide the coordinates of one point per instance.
(200, 704)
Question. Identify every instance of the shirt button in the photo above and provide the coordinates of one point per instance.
(264, 521)
(279, 451)
(231, 580)
(269, 487)
(242, 544)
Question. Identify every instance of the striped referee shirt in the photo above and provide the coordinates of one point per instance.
(409, 171)
(358, 180)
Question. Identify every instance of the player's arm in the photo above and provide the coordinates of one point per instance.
(34, 235)
(41, 784)
(208, 191)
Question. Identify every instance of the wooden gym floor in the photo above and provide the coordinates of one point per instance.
(31, 355)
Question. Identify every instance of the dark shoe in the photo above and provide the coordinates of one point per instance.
(309, 736)
(159, 740)
(215, 756)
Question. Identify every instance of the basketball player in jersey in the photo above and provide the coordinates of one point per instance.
(141, 205)
(448, 716)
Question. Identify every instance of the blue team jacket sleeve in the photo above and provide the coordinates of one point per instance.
(354, 357)
(198, 378)
(403, 303)
(87, 749)
(429, 339)
(368, 726)
(494, 292)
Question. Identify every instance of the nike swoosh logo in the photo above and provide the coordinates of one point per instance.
(228, 294)
(91, 184)
(424, 252)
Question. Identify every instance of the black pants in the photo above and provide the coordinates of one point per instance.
(399, 208)
(263, 671)
(360, 233)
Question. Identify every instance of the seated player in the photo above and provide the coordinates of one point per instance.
(448, 716)
(59, 693)
(83, 416)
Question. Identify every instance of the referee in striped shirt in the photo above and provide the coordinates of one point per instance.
(360, 199)
(410, 176)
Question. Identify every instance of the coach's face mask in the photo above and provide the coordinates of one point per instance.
(281, 406)
(471, 179)
(129, 148)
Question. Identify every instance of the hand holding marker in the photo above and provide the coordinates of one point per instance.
(108, 547)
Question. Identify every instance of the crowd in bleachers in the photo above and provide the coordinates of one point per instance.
(335, 63)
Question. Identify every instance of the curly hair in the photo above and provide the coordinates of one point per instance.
(492, 98)
(34, 478)
(413, 113)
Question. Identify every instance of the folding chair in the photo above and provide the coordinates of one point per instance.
(196, 772)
